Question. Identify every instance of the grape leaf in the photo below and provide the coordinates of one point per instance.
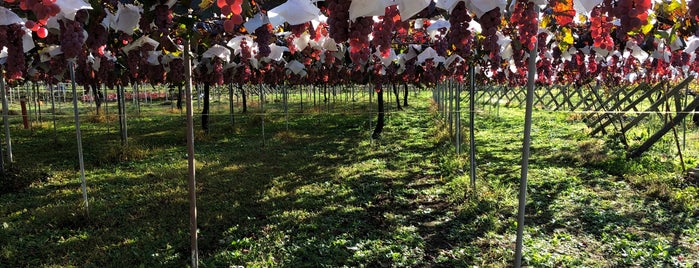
(206, 4)
(563, 11)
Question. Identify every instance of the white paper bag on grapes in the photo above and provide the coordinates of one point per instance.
(429, 53)
(632, 49)
(127, 18)
(448, 5)
(49, 52)
(3, 55)
(368, 8)
(70, 7)
(585, 6)
(234, 43)
(276, 52)
(255, 22)
(480, 7)
(505, 44)
(139, 42)
(435, 25)
(27, 40)
(296, 11)
(387, 60)
(217, 51)
(692, 45)
(295, 67)
(8, 17)
(409, 8)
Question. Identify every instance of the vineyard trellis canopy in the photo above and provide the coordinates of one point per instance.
(304, 41)
(514, 43)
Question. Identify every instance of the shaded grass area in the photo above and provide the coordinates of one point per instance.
(319, 192)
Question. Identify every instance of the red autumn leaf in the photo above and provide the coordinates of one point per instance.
(563, 11)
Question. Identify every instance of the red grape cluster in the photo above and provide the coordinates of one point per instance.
(137, 59)
(144, 24)
(231, 9)
(106, 71)
(72, 38)
(359, 39)
(156, 73)
(217, 74)
(544, 71)
(163, 19)
(56, 67)
(245, 52)
(383, 31)
(296, 32)
(693, 7)
(176, 73)
(43, 10)
(526, 19)
(264, 39)
(459, 37)
(338, 19)
(600, 27)
(632, 14)
(430, 73)
(441, 44)
(12, 39)
(98, 36)
(401, 28)
(490, 21)
(133, 58)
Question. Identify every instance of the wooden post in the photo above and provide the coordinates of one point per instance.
(667, 127)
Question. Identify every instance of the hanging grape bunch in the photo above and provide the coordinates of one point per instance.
(11, 37)
(338, 19)
(72, 38)
(359, 39)
(526, 19)
(459, 37)
(231, 9)
(632, 14)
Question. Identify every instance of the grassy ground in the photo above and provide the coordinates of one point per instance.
(318, 192)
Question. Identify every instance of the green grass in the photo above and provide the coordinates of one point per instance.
(319, 192)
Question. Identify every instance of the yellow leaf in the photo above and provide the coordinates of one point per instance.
(545, 22)
(647, 28)
(568, 36)
(206, 4)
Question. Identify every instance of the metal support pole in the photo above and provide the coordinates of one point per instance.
(471, 122)
(5, 117)
(191, 166)
(78, 134)
(525, 151)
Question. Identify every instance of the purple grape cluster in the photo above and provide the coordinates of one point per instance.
(163, 18)
(97, 37)
(176, 73)
(338, 19)
(526, 19)
(264, 38)
(72, 38)
(12, 38)
(490, 21)
(459, 36)
(383, 31)
(359, 39)
(217, 77)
